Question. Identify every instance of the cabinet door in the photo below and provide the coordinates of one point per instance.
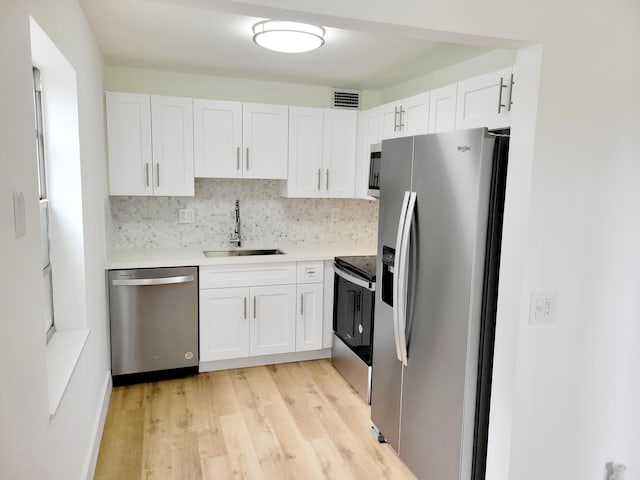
(273, 319)
(484, 101)
(442, 109)
(305, 152)
(217, 137)
(369, 133)
(265, 140)
(224, 323)
(129, 142)
(339, 153)
(309, 317)
(414, 115)
(172, 145)
(390, 113)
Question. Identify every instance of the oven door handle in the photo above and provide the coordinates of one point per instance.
(341, 272)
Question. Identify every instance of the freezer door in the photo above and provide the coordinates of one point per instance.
(451, 176)
(395, 180)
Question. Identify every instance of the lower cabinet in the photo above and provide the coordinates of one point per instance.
(260, 318)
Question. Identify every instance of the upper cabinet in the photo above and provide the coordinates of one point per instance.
(442, 109)
(369, 133)
(150, 141)
(322, 152)
(485, 101)
(240, 140)
(217, 138)
(406, 117)
(264, 139)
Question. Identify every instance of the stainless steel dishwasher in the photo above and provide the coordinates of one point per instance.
(154, 323)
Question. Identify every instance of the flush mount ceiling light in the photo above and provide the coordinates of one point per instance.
(288, 37)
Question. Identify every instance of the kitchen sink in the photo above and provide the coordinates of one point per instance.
(241, 253)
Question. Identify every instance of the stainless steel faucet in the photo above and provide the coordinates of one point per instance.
(235, 236)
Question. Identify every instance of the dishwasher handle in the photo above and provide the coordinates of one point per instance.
(153, 281)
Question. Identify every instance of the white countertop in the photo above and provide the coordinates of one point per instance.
(177, 257)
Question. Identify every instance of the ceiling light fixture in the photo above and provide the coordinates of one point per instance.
(288, 37)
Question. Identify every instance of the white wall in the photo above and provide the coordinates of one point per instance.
(33, 446)
(568, 396)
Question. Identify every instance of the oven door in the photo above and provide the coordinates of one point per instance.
(353, 312)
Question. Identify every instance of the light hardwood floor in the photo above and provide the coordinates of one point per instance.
(289, 421)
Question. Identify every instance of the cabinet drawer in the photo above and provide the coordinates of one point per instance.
(216, 276)
(310, 272)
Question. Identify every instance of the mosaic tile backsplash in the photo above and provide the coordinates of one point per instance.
(266, 218)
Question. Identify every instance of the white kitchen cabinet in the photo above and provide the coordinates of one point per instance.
(273, 327)
(406, 117)
(251, 310)
(485, 101)
(150, 141)
(369, 133)
(224, 323)
(217, 138)
(322, 145)
(442, 109)
(309, 317)
(305, 152)
(265, 140)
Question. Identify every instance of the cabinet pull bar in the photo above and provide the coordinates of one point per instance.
(238, 158)
(245, 308)
(158, 174)
(247, 158)
(511, 84)
(319, 175)
(395, 119)
(502, 87)
(402, 112)
(302, 304)
(146, 172)
(254, 307)
(327, 182)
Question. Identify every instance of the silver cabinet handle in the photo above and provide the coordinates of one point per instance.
(402, 112)
(146, 172)
(511, 84)
(502, 87)
(254, 307)
(245, 308)
(238, 158)
(327, 182)
(319, 175)
(153, 281)
(395, 119)
(302, 304)
(158, 174)
(247, 158)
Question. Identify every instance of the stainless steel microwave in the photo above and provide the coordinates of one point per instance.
(374, 170)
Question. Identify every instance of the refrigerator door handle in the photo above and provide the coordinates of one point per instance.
(396, 275)
(402, 280)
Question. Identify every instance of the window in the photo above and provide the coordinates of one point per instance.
(44, 206)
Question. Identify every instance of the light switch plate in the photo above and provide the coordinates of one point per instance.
(186, 215)
(19, 219)
(543, 307)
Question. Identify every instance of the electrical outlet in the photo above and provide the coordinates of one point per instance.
(543, 307)
(335, 214)
(186, 215)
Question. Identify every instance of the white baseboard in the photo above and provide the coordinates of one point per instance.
(98, 428)
(264, 360)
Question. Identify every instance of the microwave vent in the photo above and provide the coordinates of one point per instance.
(343, 98)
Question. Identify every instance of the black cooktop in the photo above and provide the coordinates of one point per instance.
(363, 266)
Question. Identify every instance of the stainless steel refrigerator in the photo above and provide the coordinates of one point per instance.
(441, 204)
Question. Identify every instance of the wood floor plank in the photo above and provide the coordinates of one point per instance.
(290, 421)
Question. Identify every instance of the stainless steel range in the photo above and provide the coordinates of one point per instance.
(353, 309)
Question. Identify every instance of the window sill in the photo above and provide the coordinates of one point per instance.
(63, 352)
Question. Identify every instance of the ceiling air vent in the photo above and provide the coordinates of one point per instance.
(343, 98)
